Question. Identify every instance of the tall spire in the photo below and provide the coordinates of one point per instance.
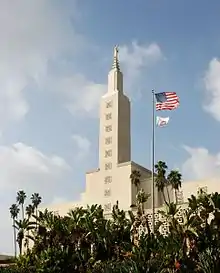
(115, 76)
(115, 64)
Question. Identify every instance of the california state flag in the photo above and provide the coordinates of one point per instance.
(161, 122)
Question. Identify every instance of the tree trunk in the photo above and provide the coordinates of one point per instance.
(22, 209)
(20, 238)
(168, 195)
(20, 247)
(15, 244)
(142, 207)
(36, 217)
(176, 196)
(164, 198)
(148, 227)
(137, 187)
(28, 233)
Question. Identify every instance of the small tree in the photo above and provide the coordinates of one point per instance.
(135, 177)
(21, 196)
(160, 179)
(175, 180)
(14, 211)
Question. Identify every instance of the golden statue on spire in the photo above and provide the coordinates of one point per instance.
(115, 64)
(116, 52)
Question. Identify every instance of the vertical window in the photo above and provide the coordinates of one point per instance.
(107, 207)
(108, 128)
(180, 198)
(107, 192)
(108, 140)
(108, 116)
(108, 153)
(108, 179)
(109, 104)
(108, 166)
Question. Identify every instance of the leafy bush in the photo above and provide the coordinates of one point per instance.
(85, 241)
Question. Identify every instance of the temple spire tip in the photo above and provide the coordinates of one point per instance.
(115, 64)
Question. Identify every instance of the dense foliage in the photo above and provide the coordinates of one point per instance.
(85, 241)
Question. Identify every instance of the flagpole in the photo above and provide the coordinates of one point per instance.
(153, 163)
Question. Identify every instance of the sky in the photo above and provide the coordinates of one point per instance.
(54, 60)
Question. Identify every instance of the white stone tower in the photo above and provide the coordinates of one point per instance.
(114, 136)
(110, 182)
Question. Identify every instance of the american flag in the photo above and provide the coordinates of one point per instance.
(166, 101)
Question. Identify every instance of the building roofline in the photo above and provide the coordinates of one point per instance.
(141, 167)
(93, 171)
(124, 164)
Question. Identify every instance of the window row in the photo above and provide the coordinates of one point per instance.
(108, 179)
(107, 192)
(108, 140)
(108, 207)
(109, 104)
(108, 153)
(180, 198)
(108, 166)
(108, 128)
(108, 116)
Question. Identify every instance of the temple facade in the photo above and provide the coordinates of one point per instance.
(110, 182)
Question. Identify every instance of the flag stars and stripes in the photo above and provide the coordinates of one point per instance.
(166, 101)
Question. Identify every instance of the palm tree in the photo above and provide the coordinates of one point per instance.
(14, 210)
(160, 180)
(29, 210)
(22, 226)
(36, 200)
(142, 198)
(21, 196)
(175, 180)
(29, 213)
(135, 180)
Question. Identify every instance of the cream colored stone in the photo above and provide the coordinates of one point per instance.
(111, 181)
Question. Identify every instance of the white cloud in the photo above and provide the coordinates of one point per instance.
(34, 33)
(212, 85)
(31, 33)
(83, 146)
(22, 166)
(81, 96)
(201, 164)
(135, 57)
(6, 246)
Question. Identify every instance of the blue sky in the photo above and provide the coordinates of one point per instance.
(54, 60)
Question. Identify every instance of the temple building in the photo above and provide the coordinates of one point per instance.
(111, 182)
